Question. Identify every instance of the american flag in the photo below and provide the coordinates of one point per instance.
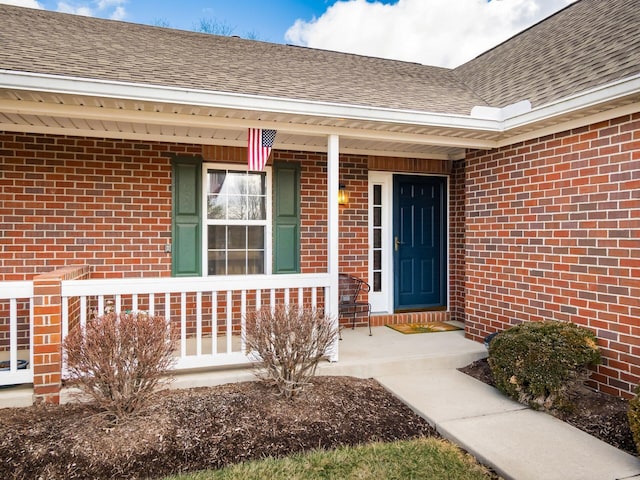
(259, 148)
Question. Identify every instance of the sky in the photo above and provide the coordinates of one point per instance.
(442, 33)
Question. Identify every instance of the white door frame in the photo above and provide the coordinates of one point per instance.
(382, 300)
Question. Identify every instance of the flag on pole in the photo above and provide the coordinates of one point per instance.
(259, 148)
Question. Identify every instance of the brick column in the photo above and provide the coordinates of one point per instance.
(47, 331)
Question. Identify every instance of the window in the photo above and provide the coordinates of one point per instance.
(237, 218)
(222, 219)
(377, 229)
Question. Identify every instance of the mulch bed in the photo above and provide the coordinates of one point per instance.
(601, 415)
(200, 428)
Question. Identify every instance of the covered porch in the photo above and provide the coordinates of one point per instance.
(100, 155)
(92, 165)
(208, 315)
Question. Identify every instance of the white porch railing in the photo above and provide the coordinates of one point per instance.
(17, 302)
(209, 312)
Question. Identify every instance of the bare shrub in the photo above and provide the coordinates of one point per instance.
(290, 342)
(120, 360)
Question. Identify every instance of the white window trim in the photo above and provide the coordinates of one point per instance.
(268, 240)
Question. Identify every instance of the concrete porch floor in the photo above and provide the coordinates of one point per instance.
(386, 352)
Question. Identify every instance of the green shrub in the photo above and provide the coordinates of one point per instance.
(538, 363)
(289, 341)
(120, 360)
(634, 417)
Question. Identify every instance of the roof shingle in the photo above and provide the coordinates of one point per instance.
(61, 44)
(589, 43)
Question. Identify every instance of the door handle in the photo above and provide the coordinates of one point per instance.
(397, 243)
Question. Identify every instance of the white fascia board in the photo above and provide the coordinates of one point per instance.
(142, 92)
(485, 119)
(499, 114)
(586, 99)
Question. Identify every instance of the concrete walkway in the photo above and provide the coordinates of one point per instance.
(515, 441)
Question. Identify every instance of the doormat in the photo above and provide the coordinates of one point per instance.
(431, 327)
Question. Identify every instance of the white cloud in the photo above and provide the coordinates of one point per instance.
(119, 13)
(433, 32)
(75, 9)
(113, 9)
(23, 3)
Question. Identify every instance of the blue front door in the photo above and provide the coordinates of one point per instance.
(419, 247)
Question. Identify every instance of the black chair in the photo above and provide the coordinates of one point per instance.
(349, 289)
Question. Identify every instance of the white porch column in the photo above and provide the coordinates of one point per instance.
(332, 230)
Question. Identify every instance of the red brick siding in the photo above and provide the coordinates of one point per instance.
(410, 317)
(107, 204)
(47, 331)
(354, 217)
(410, 165)
(354, 224)
(456, 241)
(553, 232)
(68, 200)
(313, 211)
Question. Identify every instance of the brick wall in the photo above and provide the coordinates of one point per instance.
(47, 331)
(313, 206)
(107, 204)
(553, 232)
(69, 200)
(354, 217)
(457, 240)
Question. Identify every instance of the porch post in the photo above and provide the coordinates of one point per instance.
(332, 230)
(47, 331)
(47, 339)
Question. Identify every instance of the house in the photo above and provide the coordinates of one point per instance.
(502, 191)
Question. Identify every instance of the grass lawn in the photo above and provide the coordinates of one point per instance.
(424, 458)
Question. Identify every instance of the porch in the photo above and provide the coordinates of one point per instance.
(207, 315)
(386, 352)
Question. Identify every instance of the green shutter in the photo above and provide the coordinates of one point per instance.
(286, 217)
(186, 231)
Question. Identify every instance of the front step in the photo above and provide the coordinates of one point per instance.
(400, 366)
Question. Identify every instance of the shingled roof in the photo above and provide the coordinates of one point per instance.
(587, 44)
(53, 43)
(590, 43)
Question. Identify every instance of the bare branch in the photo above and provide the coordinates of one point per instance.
(120, 360)
(290, 342)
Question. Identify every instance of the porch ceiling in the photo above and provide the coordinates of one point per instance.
(67, 114)
(133, 119)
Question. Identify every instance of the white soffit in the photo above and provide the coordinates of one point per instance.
(171, 95)
(75, 106)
